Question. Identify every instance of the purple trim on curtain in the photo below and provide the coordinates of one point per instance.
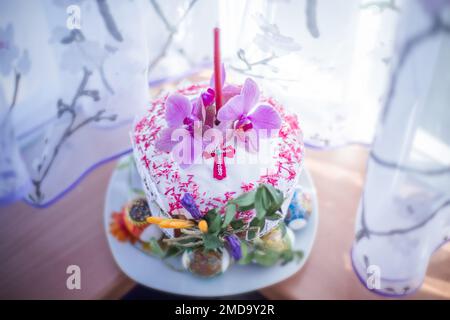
(77, 181)
(378, 292)
(14, 196)
(381, 293)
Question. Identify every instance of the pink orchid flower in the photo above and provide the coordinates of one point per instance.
(207, 97)
(181, 113)
(228, 90)
(243, 114)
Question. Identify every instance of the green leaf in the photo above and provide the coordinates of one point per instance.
(276, 195)
(172, 251)
(259, 203)
(247, 255)
(266, 197)
(156, 248)
(266, 258)
(255, 223)
(237, 224)
(247, 208)
(230, 212)
(214, 221)
(211, 241)
(274, 192)
(273, 216)
(245, 201)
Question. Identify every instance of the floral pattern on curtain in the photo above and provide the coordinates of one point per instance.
(82, 69)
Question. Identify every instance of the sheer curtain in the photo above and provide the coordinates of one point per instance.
(326, 60)
(404, 212)
(75, 73)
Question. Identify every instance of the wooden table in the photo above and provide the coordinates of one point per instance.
(37, 245)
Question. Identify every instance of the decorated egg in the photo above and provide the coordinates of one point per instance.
(206, 263)
(277, 239)
(299, 210)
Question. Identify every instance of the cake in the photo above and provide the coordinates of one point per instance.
(165, 181)
(219, 167)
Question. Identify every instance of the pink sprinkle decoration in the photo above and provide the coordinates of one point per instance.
(246, 187)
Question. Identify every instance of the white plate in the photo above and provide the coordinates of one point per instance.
(154, 273)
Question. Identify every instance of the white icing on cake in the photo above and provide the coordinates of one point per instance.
(165, 182)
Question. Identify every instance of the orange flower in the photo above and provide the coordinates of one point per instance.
(118, 228)
(203, 226)
(131, 226)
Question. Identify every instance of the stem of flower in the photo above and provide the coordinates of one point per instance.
(175, 240)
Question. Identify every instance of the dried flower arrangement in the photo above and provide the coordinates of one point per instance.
(206, 242)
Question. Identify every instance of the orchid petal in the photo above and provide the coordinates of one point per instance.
(208, 97)
(178, 107)
(224, 125)
(165, 142)
(198, 109)
(250, 92)
(212, 82)
(232, 110)
(229, 91)
(265, 117)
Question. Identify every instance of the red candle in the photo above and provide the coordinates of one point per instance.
(217, 69)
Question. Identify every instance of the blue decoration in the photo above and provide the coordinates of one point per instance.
(299, 210)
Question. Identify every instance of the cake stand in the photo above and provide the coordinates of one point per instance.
(152, 272)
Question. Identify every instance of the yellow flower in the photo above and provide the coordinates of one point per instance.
(154, 220)
(170, 223)
(176, 224)
(203, 226)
